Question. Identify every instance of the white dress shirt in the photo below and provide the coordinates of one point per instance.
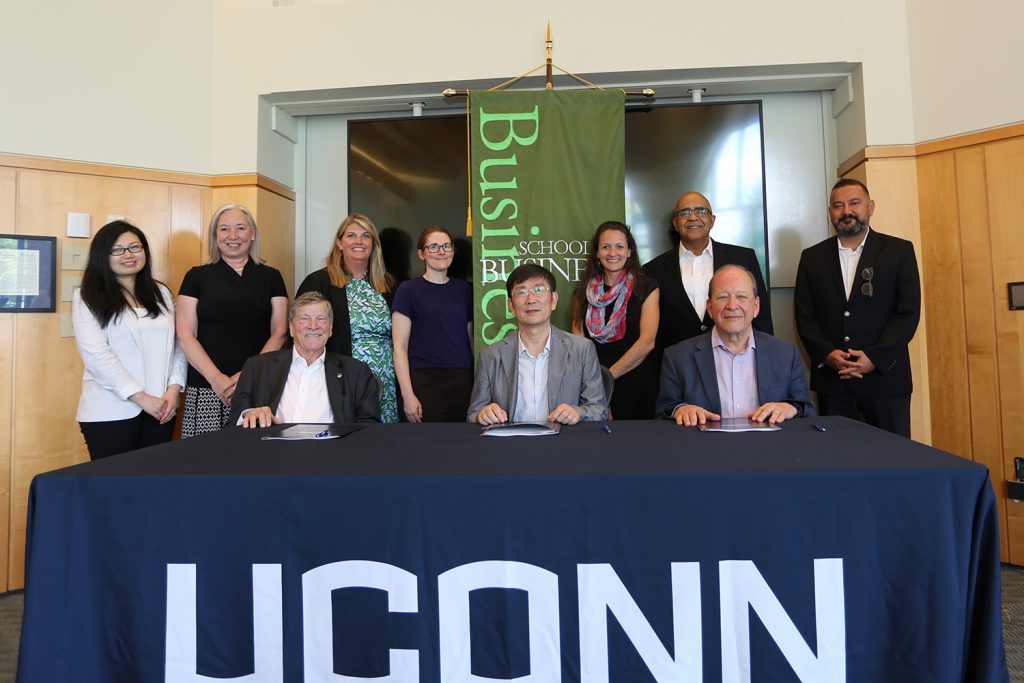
(696, 272)
(849, 259)
(304, 398)
(532, 384)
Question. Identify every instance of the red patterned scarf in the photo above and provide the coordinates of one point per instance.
(598, 299)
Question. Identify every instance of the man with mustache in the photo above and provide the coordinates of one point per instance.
(306, 383)
(858, 303)
(683, 274)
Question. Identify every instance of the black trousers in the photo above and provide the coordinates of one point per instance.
(443, 393)
(120, 436)
(891, 413)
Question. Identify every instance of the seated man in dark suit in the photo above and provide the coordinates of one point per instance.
(733, 371)
(540, 373)
(305, 383)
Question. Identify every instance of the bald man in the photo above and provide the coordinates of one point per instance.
(684, 273)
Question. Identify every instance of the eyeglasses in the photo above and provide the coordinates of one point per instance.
(687, 212)
(867, 289)
(523, 292)
(131, 249)
(434, 248)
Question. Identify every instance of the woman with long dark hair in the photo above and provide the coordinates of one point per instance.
(616, 306)
(431, 329)
(229, 309)
(360, 291)
(124, 330)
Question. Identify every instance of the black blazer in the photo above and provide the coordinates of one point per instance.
(352, 389)
(881, 325)
(341, 332)
(678, 319)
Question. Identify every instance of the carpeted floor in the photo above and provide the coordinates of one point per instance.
(11, 605)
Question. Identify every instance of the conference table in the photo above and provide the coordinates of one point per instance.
(640, 551)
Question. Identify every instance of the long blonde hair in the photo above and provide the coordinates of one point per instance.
(376, 275)
(211, 234)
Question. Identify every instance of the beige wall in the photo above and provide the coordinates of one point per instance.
(123, 82)
(966, 65)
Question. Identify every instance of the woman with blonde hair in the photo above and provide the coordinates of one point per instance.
(229, 309)
(360, 291)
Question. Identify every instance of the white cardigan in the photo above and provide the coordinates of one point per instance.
(114, 366)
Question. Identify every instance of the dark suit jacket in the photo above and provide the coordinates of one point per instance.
(574, 377)
(881, 325)
(341, 332)
(678, 319)
(352, 391)
(688, 375)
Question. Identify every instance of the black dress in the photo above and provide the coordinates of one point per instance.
(636, 392)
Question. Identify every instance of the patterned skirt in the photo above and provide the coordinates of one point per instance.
(203, 412)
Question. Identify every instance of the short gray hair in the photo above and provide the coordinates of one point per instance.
(309, 299)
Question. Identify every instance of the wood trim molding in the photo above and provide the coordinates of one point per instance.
(17, 161)
(980, 137)
(250, 179)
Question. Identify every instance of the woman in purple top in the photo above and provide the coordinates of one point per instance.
(431, 325)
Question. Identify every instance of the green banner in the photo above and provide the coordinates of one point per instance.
(546, 168)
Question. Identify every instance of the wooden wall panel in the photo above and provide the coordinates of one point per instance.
(8, 202)
(276, 216)
(1004, 170)
(979, 314)
(188, 216)
(893, 185)
(941, 278)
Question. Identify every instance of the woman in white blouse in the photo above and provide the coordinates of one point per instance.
(124, 329)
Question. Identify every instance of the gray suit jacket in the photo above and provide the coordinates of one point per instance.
(688, 375)
(574, 377)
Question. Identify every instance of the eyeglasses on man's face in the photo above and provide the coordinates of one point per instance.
(434, 248)
(131, 249)
(523, 292)
(692, 211)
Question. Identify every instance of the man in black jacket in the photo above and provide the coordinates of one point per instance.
(684, 273)
(305, 383)
(858, 303)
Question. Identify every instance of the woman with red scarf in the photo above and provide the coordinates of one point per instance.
(616, 306)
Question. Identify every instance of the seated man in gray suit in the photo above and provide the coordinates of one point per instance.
(733, 371)
(305, 383)
(540, 374)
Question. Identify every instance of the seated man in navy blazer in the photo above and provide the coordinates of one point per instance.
(305, 383)
(733, 370)
(539, 374)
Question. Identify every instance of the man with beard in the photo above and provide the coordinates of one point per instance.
(858, 302)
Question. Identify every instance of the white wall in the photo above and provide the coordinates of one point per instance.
(175, 85)
(125, 82)
(966, 65)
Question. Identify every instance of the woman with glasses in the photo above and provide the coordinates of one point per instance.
(232, 308)
(124, 330)
(431, 325)
(360, 291)
(616, 306)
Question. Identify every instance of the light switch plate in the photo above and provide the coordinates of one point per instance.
(68, 283)
(74, 256)
(66, 328)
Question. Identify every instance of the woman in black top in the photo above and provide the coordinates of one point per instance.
(230, 309)
(616, 305)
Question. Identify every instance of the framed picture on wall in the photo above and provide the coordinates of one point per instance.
(28, 274)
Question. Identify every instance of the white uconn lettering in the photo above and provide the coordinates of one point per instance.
(601, 595)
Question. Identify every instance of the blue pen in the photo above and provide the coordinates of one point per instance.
(606, 429)
(817, 425)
